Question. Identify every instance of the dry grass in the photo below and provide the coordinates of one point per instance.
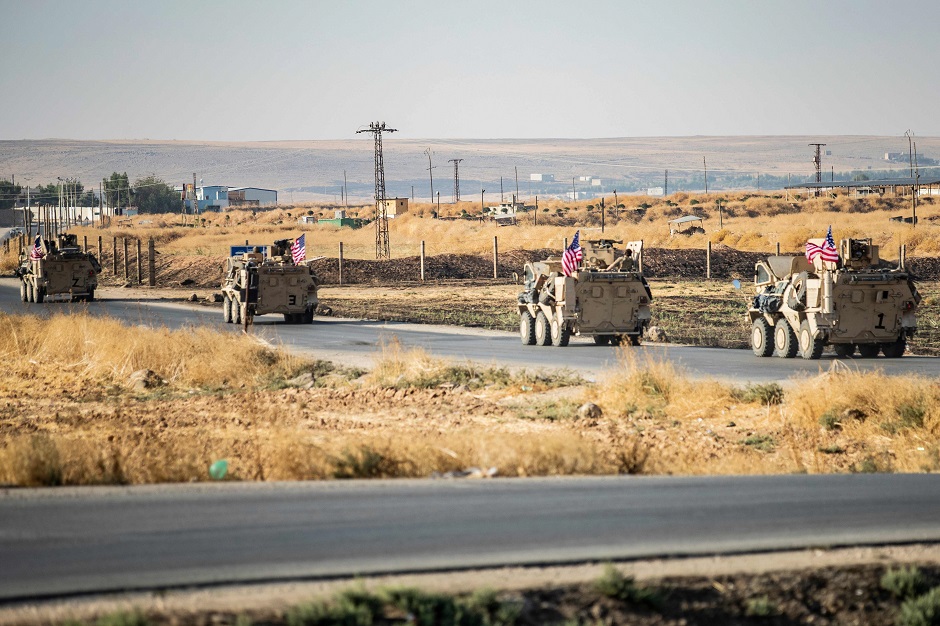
(752, 222)
(68, 417)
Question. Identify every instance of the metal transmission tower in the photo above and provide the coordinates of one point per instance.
(381, 211)
(817, 161)
(456, 179)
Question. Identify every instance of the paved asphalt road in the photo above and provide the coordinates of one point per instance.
(357, 342)
(84, 540)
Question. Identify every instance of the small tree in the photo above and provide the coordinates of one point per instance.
(153, 195)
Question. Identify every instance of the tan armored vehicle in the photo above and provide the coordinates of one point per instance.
(606, 298)
(258, 285)
(800, 307)
(57, 269)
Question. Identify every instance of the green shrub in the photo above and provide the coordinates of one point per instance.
(764, 443)
(921, 611)
(615, 585)
(764, 393)
(830, 420)
(761, 606)
(904, 583)
(833, 449)
(123, 619)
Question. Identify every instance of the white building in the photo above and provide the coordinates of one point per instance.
(253, 196)
(654, 191)
(542, 178)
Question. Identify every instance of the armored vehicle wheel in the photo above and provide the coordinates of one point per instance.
(762, 337)
(29, 293)
(543, 332)
(601, 340)
(635, 339)
(561, 334)
(844, 350)
(527, 329)
(236, 312)
(307, 317)
(868, 350)
(785, 341)
(226, 309)
(895, 349)
(797, 298)
(39, 295)
(290, 318)
(810, 347)
(24, 294)
(91, 296)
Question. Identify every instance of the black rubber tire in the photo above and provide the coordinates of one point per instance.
(24, 294)
(236, 312)
(307, 317)
(895, 349)
(29, 293)
(527, 328)
(844, 350)
(39, 295)
(762, 338)
(810, 348)
(226, 309)
(543, 331)
(868, 350)
(636, 339)
(91, 296)
(786, 344)
(561, 334)
(601, 340)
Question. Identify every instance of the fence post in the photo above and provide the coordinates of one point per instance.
(153, 263)
(708, 260)
(140, 267)
(566, 245)
(495, 258)
(114, 255)
(127, 266)
(778, 248)
(100, 252)
(903, 256)
(85, 243)
(422, 259)
(341, 263)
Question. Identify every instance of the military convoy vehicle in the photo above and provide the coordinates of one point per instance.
(606, 298)
(800, 307)
(57, 269)
(258, 285)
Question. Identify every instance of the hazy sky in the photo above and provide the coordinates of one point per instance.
(283, 69)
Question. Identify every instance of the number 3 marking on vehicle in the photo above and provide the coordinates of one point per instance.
(292, 299)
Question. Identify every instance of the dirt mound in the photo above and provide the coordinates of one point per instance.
(726, 263)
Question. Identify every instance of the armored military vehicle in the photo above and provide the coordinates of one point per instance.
(256, 284)
(57, 269)
(606, 298)
(800, 307)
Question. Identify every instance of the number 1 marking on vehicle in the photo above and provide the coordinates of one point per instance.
(881, 321)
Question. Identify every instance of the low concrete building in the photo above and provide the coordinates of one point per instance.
(396, 206)
(252, 196)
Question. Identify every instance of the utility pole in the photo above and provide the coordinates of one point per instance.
(500, 189)
(346, 192)
(482, 208)
(915, 189)
(516, 199)
(427, 151)
(666, 184)
(381, 210)
(910, 151)
(574, 192)
(456, 162)
(706, 175)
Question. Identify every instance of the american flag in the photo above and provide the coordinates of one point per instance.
(572, 256)
(827, 251)
(298, 249)
(36, 253)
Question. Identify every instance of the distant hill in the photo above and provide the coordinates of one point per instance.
(313, 170)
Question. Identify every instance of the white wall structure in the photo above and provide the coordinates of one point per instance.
(252, 196)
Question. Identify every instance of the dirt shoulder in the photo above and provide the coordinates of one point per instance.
(807, 586)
